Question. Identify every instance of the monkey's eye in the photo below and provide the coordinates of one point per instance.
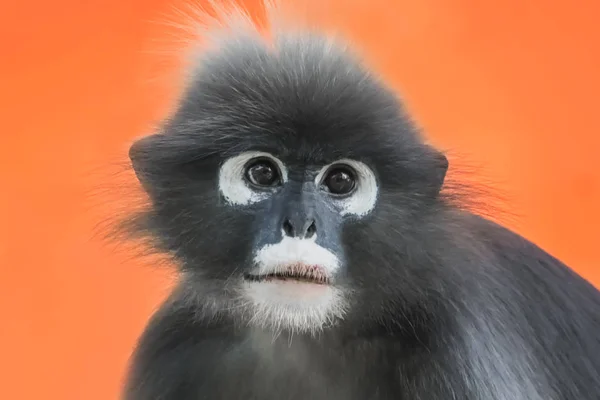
(339, 180)
(263, 173)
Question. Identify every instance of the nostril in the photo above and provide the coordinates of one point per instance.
(312, 230)
(288, 228)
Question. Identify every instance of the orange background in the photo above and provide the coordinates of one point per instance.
(511, 84)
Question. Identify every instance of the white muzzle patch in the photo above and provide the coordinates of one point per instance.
(296, 305)
(276, 258)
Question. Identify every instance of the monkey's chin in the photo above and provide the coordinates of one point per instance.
(294, 305)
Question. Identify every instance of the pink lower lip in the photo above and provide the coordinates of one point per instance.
(295, 289)
(292, 279)
(298, 274)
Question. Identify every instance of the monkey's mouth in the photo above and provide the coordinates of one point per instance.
(293, 273)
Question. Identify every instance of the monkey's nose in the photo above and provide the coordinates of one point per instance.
(300, 227)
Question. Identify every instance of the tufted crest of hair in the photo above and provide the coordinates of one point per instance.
(297, 93)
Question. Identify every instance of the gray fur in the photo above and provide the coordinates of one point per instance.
(444, 304)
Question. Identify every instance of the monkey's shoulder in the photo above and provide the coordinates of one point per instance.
(511, 249)
(534, 276)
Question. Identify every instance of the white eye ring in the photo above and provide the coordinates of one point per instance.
(362, 200)
(232, 183)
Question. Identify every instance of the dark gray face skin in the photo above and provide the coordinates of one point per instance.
(301, 209)
(429, 301)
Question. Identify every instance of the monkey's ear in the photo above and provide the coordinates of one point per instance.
(142, 155)
(438, 169)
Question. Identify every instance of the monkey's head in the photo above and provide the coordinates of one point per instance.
(289, 185)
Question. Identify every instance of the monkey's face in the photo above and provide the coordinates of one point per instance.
(293, 235)
(297, 256)
(285, 185)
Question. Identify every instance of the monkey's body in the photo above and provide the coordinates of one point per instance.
(536, 342)
(321, 259)
(247, 363)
